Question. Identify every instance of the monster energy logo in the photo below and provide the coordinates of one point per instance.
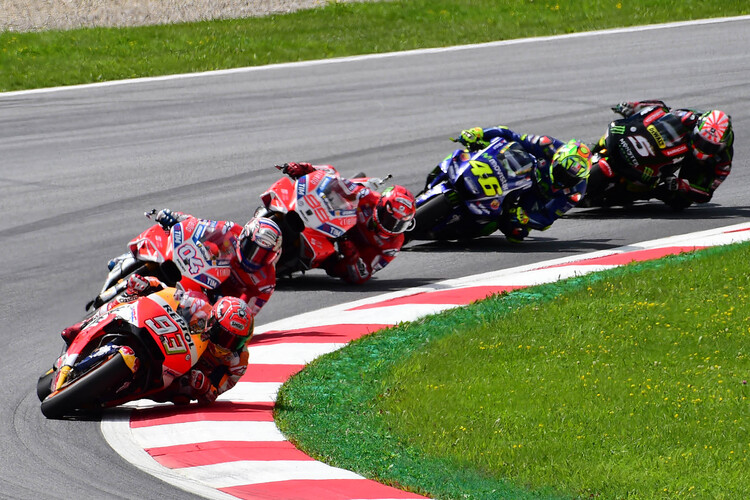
(648, 174)
(617, 129)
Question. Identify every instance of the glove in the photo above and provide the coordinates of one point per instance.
(624, 108)
(166, 218)
(627, 108)
(297, 170)
(199, 382)
(673, 184)
(138, 284)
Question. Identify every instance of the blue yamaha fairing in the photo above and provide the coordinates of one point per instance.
(467, 192)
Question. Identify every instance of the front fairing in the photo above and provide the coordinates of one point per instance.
(157, 314)
(483, 179)
(281, 196)
(198, 259)
(186, 244)
(324, 205)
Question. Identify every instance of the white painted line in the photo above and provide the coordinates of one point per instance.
(157, 436)
(367, 57)
(252, 392)
(257, 472)
(117, 432)
(291, 354)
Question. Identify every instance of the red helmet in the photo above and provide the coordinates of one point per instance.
(394, 212)
(230, 325)
(259, 244)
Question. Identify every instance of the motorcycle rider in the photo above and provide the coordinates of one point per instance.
(228, 330)
(253, 251)
(561, 171)
(227, 327)
(679, 156)
(378, 235)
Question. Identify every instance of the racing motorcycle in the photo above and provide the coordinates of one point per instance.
(133, 351)
(468, 192)
(314, 213)
(181, 254)
(632, 162)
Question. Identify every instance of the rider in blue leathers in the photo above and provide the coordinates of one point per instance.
(560, 176)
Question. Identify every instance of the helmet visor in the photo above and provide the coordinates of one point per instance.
(255, 257)
(224, 338)
(390, 223)
(564, 172)
(706, 147)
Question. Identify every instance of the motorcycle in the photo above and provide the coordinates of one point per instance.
(314, 213)
(132, 351)
(181, 254)
(655, 151)
(468, 192)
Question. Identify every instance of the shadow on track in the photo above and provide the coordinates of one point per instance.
(658, 210)
(317, 281)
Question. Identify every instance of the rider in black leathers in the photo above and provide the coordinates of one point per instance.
(677, 156)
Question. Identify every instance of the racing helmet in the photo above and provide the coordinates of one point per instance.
(394, 212)
(711, 134)
(570, 164)
(230, 325)
(259, 244)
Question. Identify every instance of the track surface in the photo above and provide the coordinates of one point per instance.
(79, 166)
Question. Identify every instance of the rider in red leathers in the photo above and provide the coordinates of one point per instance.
(378, 236)
(228, 330)
(227, 327)
(253, 251)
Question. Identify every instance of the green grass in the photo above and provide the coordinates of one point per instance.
(52, 58)
(625, 384)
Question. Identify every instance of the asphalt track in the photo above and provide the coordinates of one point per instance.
(79, 166)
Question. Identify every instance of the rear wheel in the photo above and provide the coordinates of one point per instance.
(86, 391)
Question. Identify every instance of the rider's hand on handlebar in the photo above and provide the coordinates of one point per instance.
(296, 170)
(138, 284)
(673, 184)
(166, 218)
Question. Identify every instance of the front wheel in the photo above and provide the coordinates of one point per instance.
(428, 215)
(44, 384)
(86, 391)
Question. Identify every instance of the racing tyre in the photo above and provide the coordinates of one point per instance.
(428, 215)
(43, 385)
(85, 391)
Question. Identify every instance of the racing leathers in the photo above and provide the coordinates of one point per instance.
(254, 288)
(215, 373)
(538, 207)
(364, 249)
(650, 148)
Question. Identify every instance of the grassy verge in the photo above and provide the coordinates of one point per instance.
(34, 60)
(626, 384)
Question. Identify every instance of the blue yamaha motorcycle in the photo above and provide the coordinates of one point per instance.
(469, 191)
